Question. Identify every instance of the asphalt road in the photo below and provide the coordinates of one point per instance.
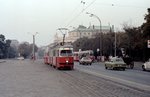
(131, 77)
(25, 78)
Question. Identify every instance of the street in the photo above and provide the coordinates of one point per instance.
(25, 78)
(132, 77)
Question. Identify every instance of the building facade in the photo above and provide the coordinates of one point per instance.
(83, 31)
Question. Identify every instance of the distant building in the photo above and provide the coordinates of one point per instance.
(14, 43)
(81, 32)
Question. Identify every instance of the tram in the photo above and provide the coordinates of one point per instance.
(46, 55)
(59, 56)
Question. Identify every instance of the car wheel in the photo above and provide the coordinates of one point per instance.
(143, 67)
(114, 68)
(131, 66)
(123, 69)
(106, 67)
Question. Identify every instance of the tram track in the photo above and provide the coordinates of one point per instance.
(134, 85)
(80, 86)
(78, 83)
(99, 87)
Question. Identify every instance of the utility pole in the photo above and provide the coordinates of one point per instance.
(33, 47)
(115, 41)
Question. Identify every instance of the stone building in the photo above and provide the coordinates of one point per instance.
(81, 32)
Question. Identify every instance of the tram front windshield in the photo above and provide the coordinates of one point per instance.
(66, 53)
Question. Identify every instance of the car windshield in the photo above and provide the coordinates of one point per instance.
(66, 52)
(119, 59)
(116, 60)
(85, 58)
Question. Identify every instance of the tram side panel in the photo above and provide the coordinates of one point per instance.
(50, 60)
(54, 61)
(46, 59)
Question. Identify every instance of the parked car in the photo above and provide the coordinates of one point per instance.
(146, 65)
(20, 58)
(115, 63)
(85, 61)
(129, 62)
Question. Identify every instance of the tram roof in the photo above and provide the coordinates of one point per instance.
(59, 45)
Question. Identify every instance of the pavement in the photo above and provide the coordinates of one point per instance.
(26, 78)
(1, 61)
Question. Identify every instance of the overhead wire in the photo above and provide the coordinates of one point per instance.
(131, 6)
(71, 13)
(103, 4)
(119, 5)
(80, 13)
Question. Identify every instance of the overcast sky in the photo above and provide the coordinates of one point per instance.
(20, 19)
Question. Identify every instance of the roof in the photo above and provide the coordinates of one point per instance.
(91, 28)
(98, 27)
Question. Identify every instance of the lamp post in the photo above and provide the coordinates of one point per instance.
(100, 30)
(33, 47)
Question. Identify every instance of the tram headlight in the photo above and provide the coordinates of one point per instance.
(67, 61)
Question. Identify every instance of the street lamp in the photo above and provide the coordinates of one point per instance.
(100, 30)
(33, 48)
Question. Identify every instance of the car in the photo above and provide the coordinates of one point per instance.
(20, 58)
(115, 63)
(129, 62)
(146, 65)
(85, 61)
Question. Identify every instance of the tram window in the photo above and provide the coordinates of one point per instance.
(54, 53)
(66, 52)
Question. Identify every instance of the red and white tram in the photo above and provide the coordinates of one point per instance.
(46, 56)
(59, 56)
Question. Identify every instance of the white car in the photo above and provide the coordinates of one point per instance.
(146, 65)
(20, 58)
(85, 60)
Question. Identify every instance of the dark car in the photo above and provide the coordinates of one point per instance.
(129, 62)
(85, 61)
